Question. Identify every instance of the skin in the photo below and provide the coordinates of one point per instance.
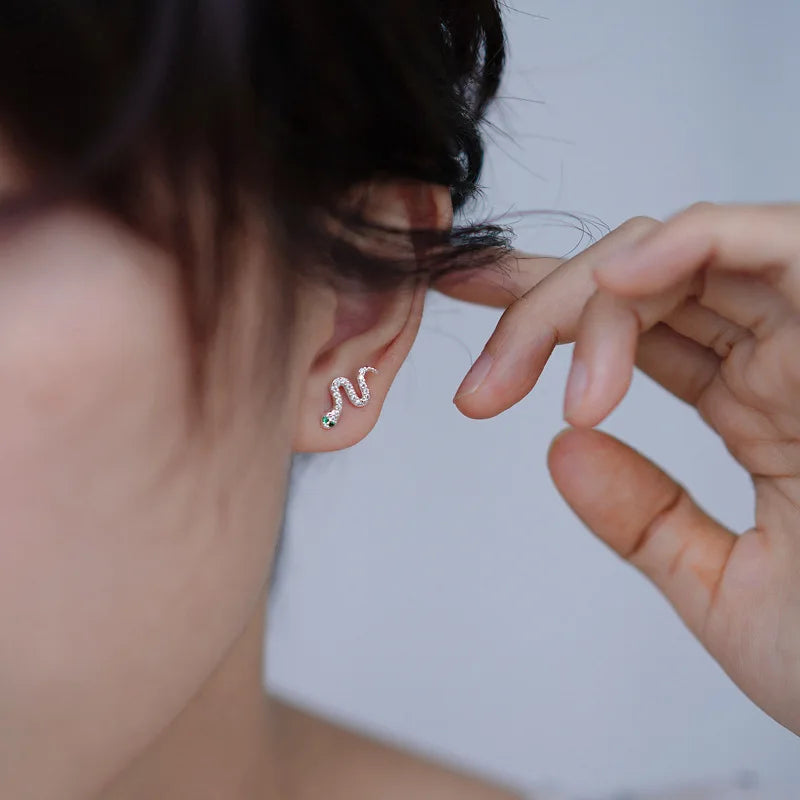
(135, 553)
(707, 304)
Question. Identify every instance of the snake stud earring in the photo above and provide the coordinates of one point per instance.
(332, 417)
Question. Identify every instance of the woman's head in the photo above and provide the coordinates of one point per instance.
(220, 200)
(272, 112)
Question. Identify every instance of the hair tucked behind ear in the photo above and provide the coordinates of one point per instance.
(278, 106)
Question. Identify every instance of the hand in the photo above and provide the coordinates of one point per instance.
(707, 304)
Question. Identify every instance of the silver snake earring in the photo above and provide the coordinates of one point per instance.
(332, 417)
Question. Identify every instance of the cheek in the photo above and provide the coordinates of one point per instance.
(130, 556)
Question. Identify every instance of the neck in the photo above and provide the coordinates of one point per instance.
(223, 744)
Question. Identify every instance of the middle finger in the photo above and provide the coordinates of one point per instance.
(530, 328)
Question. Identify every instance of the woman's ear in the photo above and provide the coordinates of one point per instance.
(362, 328)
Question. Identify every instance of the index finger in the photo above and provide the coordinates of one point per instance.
(530, 328)
(502, 284)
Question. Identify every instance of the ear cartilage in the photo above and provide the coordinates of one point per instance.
(331, 419)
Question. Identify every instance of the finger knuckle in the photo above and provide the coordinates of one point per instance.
(702, 205)
(639, 224)
(661, 521)
(699, 209)
(725, 339)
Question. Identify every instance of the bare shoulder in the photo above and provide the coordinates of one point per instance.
(326, 759)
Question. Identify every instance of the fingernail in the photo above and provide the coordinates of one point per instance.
(576, 387)
(476, 375)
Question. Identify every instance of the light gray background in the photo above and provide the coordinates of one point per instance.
(435, 587)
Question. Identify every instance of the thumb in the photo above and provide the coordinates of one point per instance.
(645, 516)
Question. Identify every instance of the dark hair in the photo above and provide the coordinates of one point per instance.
(281, 106)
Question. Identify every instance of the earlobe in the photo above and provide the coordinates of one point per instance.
(360, 375)
(370, 334)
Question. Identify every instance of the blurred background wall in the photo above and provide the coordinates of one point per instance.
(442, 594)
